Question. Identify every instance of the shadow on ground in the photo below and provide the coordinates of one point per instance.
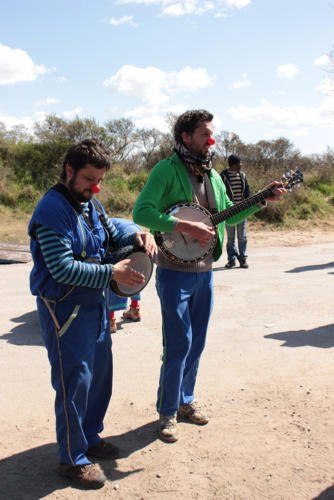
(27, 332)
(323, 337)
(317, 267)
(326, 495)
(32, 474)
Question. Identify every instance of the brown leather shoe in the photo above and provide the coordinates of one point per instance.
(103, 450)
(132, 314)
(193, 412)
(89, 476)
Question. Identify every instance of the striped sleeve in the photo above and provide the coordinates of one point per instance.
(63, 267)
(120, 239)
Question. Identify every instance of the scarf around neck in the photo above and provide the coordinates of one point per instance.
(198, 165)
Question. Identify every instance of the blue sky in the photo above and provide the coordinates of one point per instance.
(260, 66)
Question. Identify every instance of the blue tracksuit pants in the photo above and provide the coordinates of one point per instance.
(186, 304)
(81, 371)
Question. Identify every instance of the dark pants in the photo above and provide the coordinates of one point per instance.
(239, 231)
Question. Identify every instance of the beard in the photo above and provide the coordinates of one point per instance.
(80, 196)
(200, 153)
(204, 155)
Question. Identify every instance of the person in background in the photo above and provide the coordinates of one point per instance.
(237, 189)
(114, 302)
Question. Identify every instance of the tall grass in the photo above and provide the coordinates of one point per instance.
(313, 201)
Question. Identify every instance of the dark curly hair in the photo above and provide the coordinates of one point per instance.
(188, 122)
(86, 151)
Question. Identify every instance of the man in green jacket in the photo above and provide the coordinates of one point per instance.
(185, 290)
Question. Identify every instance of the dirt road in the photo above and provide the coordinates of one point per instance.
(266, 378)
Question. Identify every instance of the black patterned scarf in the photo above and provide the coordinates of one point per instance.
(198, 165)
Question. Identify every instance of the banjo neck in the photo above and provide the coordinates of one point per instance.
(241, 206)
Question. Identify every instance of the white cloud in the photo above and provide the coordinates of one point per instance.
(72, 112)
(288, 71)
(244, 82)
(154, 86)
(193, 7)
(17, 66)
(155, 89)
(145, 83)
(239, 4)
(27, 121)
(47, 101)
(153, 116)
(122, 20)
(326, 87)
(177, 9)
(300, 132)
(286, 117)
(322, 60)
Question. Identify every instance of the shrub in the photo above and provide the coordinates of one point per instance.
(20, 197)
(137, 181)
(117, 206)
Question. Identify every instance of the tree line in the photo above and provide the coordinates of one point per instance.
(30, 162)
(37, 156)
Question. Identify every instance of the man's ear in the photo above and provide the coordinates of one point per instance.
(185, 138)
(69, 171)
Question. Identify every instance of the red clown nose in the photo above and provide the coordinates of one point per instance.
(211, 141)
(95, 189)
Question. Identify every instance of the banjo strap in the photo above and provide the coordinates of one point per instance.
(202, 191)
(211, 198)
(105, 225)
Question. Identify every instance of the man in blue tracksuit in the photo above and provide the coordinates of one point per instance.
(70, 237)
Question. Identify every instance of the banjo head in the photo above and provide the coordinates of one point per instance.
(180, 247)
(143, 263)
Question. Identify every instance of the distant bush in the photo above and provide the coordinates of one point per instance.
(38, 164)
(117, 206)
(19, 197)
(137, 181)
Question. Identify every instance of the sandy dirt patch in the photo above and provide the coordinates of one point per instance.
(266, 379)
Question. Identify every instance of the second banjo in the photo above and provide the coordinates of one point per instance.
(181, 248)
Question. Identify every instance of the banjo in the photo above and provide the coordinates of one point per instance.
(143, 263)
(181, 248)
